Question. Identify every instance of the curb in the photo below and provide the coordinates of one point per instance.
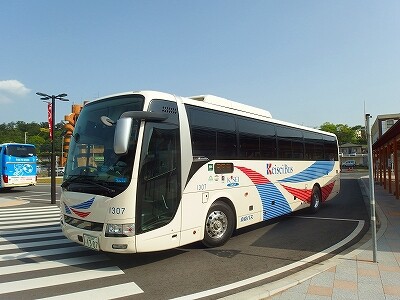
(47, 180)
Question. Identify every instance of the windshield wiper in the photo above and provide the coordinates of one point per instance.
(110, 190)
(72, 179)
(84, 180)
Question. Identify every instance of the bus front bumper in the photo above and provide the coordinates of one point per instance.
(96, 240)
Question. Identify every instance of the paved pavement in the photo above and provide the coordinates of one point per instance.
(4, 202)
(346, 276)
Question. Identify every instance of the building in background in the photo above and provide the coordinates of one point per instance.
(350, 152)
(382, 124)
(386, 152)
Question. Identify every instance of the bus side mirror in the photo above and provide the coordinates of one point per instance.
(122, 134)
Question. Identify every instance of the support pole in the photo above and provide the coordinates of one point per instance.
(53, 153)
(371, 188)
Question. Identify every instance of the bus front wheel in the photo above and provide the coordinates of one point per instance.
(219, 225)
(316, 199)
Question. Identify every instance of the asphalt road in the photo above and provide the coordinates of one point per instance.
(247, 260)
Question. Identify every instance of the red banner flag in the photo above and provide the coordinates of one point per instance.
(50, 120)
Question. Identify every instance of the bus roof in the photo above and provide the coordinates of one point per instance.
(18, 144)
(222, 102)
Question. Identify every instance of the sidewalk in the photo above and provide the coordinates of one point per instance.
(350, 276)
(5, 202)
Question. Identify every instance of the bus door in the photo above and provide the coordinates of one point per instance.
(159, 190)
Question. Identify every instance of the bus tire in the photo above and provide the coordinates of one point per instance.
(316, 199)
(219, 225)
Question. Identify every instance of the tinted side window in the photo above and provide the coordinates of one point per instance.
(297, 150)
(213, 144)
(213, 133)
(226, 145)
(204, 143)
(256, 139)
(290, 143)
(214, 136)
(249, 146)
(256, 127)
(199, 117)
(268, 148)
(314, 146)
(330, 147)
(284, 149)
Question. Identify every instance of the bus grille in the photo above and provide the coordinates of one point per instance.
(92, 226)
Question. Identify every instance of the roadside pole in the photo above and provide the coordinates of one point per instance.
(371, 188)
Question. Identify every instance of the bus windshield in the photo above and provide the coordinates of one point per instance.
(20, 151)
(92, 166)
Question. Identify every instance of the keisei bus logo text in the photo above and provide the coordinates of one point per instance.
(277, 170)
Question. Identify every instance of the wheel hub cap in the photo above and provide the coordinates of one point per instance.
(217, 223)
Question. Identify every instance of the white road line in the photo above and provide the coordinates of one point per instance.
(36, 266)
(29, 237)
(29, 226)
(38, 208)
(41, 282)
(332, 219)
(42, 193)
(27, 245)
(111, 292)
(27, 221)
(31, 230)
(35, 199)
(38, 213)
(278, 271)
(41, 253)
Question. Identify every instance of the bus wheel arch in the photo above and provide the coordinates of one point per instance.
(219, 224)
(316, 198)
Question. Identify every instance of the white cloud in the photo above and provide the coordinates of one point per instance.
(10, 89)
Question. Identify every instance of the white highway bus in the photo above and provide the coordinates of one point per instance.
(149, 171)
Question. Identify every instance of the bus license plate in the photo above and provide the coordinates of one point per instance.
(91, 242)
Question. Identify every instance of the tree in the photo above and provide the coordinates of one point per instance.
(345, 133)
(36, 134)
(361, 135)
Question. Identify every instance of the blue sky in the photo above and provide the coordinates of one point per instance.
(307, 62)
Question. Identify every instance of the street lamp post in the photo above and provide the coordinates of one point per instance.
(53, 154)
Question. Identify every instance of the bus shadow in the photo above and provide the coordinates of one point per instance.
(11, 191)
(126, 261)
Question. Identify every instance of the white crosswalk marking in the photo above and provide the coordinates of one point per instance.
(14, 218)
(34, 283)
(25, 221)
(25, 225)
(31, 230)
(28, 237)
(30, 209)
(50, 264)
(31, 243)
(29, 213)
(34, 244)
(33, 254)
(116, 291)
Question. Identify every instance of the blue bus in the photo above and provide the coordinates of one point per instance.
(17, 165)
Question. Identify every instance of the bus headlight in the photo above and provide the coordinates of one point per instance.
(120, 230)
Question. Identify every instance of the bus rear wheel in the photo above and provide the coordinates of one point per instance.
(219, 225)
(316, 199)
